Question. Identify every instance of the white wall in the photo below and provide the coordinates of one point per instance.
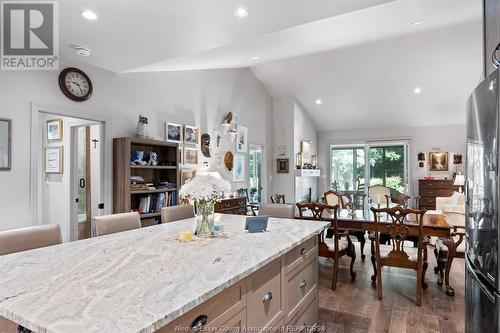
(200, 98)
(422, 139)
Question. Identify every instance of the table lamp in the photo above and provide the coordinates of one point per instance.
(459, 181)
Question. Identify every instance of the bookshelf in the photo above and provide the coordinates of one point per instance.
(126, 199)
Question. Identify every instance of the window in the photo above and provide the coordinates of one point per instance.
(383, 164)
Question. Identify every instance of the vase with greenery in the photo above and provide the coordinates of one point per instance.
(205, 191)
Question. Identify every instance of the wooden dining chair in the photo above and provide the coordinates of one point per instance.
(249, 208)
(445, 251)
(278, 198)
(397, 255)
(402, 200)
(333, 198)
(339, 247)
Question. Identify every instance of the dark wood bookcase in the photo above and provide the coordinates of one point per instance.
(125, 199)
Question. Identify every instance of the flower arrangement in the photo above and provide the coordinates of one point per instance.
(205, 190)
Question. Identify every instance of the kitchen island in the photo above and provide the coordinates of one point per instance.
(145, 280)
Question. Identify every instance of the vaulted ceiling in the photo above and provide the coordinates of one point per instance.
(362, 58)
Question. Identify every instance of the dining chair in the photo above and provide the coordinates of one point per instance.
(18, 240)
(402, 200)
(277, 210)
(333, 198)
(378, 193)
(24, 239)
(278, 198)
(396, 255)
(176, 213)
(445, 251)
(338, 246)
(110, 224)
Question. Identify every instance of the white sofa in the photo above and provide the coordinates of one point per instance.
(453, 208)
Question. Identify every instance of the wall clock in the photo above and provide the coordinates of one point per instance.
(75, 84)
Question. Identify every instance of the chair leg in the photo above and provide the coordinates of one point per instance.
(424, 269)
(379, 282)
(374, 263)
(352, 254)
(335, 272)
(419, 284)
(362, 243)
(436, 268)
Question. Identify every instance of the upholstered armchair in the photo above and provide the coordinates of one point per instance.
(453, 208)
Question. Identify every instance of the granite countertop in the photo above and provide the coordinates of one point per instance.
(139, 280)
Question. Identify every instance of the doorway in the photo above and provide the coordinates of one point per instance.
(256, 173)
(72, 190)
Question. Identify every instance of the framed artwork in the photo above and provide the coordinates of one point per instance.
(54, 162)
(241, 139)
(5, 144)
(438, 161)
(54, 130)
(190, 156)
(239, 168)
(181, 155)
(191, 135)
(173, 132)
(187, 175)
(282, 165)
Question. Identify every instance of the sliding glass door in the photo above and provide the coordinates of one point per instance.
(383, 164)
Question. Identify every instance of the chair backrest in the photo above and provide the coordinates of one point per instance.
(397, 229)
(176, 213)
(278, 198)
(314, 211)
(402, 200)
(333, 199)
(18, 240)
(277, 210)
(378, 192)
(110, 224)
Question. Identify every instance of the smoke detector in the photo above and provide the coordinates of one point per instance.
(82, 51)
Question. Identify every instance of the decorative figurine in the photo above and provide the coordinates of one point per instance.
(144, 131)
(137, 158)
(153, 159)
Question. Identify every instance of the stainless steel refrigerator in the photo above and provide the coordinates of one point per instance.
(482, 282)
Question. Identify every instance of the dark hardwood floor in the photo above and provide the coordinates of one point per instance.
(354, 307)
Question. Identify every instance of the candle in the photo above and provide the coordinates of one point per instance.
(378, 198)
(186, 236)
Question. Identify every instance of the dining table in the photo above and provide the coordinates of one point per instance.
(435, 224)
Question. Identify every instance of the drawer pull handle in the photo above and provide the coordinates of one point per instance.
(303, 284)
(267, 297)
(303, 252)
(198, 323)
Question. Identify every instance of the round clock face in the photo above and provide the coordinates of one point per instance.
(75, 84)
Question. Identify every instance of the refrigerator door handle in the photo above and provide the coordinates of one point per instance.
(484, 289)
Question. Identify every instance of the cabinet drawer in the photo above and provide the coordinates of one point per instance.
(264, 303)
(435, 193)
(299, 285)
(300, 254)
(7, 326)
(307, 319)
(215, 311)
(235, 324)
(436, 184)
(427, 201)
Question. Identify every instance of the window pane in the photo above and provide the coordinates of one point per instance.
(347, 169)
(387, 167)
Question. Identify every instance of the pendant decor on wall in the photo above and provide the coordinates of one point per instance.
(205, 145)
(228, 160)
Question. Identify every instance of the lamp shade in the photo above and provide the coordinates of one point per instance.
(459, 180)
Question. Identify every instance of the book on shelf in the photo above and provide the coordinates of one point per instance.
(153, 203)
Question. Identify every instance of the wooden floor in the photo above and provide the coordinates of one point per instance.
(354, 307)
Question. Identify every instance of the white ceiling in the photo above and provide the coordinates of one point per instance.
(363, 58)
(370, 84)
(131, 34)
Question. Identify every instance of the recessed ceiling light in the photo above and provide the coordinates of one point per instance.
(82, 51)
(319, 102)
(241, 12)
(417, 22)
(89, 15)
(417, 90)
(255, 58)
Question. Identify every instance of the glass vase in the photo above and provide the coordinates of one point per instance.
(204, 219)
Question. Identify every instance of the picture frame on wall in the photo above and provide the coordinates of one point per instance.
(187, 175)
(438, 161)
(241, 139)
(282, 165)
(239, 168)
(54, 130)
(190, 156)
(173, 132)
(181, 155)
(5, 144)
(191, 135)
(54, 162)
